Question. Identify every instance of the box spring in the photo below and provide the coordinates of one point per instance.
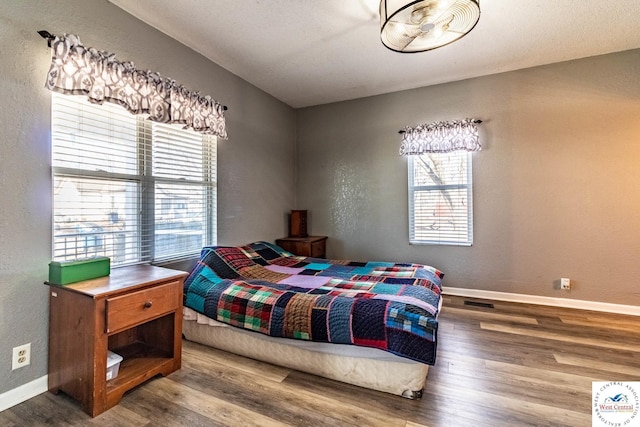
(362, 366)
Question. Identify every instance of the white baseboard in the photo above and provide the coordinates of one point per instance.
(632, 310)
(24, 392)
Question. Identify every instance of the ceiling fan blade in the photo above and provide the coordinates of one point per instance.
(400, 34)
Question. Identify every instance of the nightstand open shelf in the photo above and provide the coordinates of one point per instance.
(134, 371)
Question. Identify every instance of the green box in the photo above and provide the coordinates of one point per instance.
(65, 272)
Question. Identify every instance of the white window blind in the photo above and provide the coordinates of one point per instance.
(440, 199)
(128, 188)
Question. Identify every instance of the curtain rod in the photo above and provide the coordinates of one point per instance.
(401, 131)
(50, 37)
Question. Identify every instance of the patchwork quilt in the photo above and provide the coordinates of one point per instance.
(263, 288)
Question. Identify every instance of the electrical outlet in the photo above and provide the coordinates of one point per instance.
(565, 283)
(21, 356)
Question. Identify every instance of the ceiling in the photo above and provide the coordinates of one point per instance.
(307, 52)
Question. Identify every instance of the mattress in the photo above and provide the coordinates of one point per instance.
(367, 367)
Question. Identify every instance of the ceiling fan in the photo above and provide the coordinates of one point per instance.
(418, 26)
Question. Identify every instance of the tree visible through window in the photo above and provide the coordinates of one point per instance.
(127, 188)
(440, 199)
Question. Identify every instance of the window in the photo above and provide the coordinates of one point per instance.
(128, 188)
(440, 199)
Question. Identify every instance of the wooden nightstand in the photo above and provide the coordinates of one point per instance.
(135, 312)
(311, 246)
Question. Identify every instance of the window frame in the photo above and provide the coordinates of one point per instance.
(144, 249)
(413, 189)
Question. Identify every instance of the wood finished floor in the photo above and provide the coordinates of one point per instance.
(513, 365)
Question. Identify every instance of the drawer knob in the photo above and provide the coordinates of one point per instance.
(148, 304)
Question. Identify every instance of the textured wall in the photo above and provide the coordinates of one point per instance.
(556, 190)
(256, 164)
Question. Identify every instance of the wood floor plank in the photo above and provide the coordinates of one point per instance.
(634, 347)
(451, 362)
(254, 367)
(488, 315)
(48, 409)
(609, 324)
(119, 416)
(445, 328)
(553, 377)
(218, 410)
(10, 418)
(161, 411)
(614, 368)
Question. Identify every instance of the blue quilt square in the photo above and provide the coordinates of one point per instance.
(339, 327)
(406, 344)
(317, 266)
(357, 264)
(268, 253)
(368, 319)
(380, 264)
(386, 288)
(420, 293)
(276, 323)
(339, 271)
(361, 271)
(319, 330)
(399, 280)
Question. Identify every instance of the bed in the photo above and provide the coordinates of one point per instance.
(371, 324)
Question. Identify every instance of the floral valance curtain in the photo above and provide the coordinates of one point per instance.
(441, 137)
(78, 70)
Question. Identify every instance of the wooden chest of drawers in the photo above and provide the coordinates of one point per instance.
(311, 246)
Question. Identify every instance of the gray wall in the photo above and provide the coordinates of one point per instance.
(255, 171)
(556, 188)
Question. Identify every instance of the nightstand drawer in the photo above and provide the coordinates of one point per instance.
(137, 307)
